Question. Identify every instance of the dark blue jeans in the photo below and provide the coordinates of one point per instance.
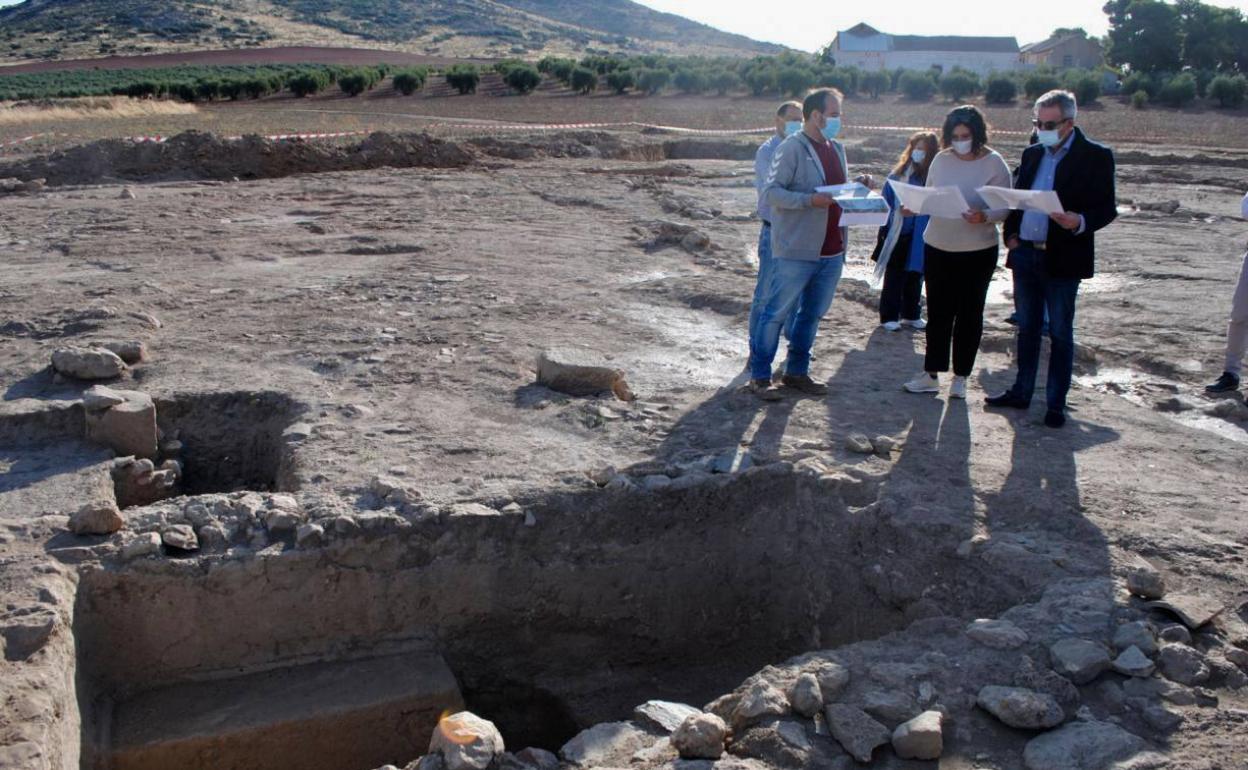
(806, 286)
(1035, 292)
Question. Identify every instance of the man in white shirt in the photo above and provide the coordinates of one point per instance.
(1237, 330)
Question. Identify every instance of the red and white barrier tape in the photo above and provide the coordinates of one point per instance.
(22, 140)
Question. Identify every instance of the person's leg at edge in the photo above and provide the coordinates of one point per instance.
(968, 327)
(1060, 296)
(1029, 299)
(764, 275)
(814, 304)
(1237, 329)
(912, 296)
(942, 280)
(788, 280)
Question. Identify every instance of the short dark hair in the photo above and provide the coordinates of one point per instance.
(967, 115)
(786, 107)
(818, 100)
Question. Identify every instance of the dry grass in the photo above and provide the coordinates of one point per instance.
(108, 108)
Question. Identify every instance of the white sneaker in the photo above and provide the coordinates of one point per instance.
(917, 323)
(957, 388)
(923, 383)
(891, 326)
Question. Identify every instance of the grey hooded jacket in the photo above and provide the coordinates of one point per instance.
(798, 229)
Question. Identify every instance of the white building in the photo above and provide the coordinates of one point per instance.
(866, 47)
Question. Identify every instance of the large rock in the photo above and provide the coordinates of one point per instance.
(997, 634)
(1145, 581)
(663, 715)
(131, 352)
(1133, 662)
(856, 731)
(920, 738)
(1024, 709)
(1136, 634)
(759, 701)
(833, 678)
(97, 518)
(805, 696)
(581, 373)
(128, 428)
(181, 537)
(1079, 660)
(700, 736)
(465, 741)
(1081, 746)
(88, 363)
(602, 743)
(1183, 664)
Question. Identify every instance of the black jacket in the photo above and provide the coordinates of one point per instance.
(1085, 185)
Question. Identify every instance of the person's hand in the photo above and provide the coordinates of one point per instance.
(866, 180)
(1067, 220)
(975, 216)
(905, 212)
(1012, 243)
(822, 200)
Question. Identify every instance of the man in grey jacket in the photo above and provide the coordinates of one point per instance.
(808, 245)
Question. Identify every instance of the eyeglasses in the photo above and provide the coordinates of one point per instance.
(1048, 125)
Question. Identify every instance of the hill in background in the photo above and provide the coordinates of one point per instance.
(63, 29)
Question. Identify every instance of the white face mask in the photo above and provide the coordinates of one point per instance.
(918, 156)
(963, 147)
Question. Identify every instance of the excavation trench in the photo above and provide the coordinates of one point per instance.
(343, 655)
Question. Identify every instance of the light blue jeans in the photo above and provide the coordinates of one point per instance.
(804, 285)
(765, 263)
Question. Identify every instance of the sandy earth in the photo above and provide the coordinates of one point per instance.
(405, 308)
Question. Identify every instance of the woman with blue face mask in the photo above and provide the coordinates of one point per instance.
(960, 255)
(900, 243)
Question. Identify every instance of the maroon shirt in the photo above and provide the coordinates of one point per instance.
(833, 244)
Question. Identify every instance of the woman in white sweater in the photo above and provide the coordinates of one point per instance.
(960, 254)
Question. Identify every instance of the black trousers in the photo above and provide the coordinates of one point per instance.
(903, 289)
(957, 286)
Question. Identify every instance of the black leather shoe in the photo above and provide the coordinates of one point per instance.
(1008, 400)
(1054, 419)
(803, 384)
(1227, 383)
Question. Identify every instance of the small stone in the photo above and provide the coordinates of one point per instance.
(282, 521)
(97, 518)
(133, 352)
(1133, 662)
(805, 696)
(467, 742)
(833, 678)
(997, 634)
(858, 443)
(1238, 657)
(127, 194)
(1175, 633)
(597, 745)
(512, 509)
(892, 707)
(283, 502)
(97, 398)
(884, 445)
(181, 537)
(23, 635)
(309, 535)
(88, 363)
(603, 476)
(856, 731)
(1136, 634)
(538, 758)
(1024, 709)
(212, 537)
(1145, 581)
(656, 481)
(1183, 664)
(1161, 718)
(1079, 660)
(664, 715)
(145, 544)
(920, 738)
(581, 373)
(700, 736)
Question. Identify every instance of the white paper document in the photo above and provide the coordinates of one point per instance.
(1023, 200)
(859, 206)
(940, 202)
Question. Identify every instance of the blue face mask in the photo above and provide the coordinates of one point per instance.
(792, 127)
(1049, 138)
(833, 128)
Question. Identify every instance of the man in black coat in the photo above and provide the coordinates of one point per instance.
(1051, 254)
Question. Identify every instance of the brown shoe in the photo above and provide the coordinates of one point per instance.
(803, 384)
(764, 390)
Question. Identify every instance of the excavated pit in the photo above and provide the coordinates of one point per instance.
(342, 656)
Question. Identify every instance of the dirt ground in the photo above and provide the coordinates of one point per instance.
(405, 307)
